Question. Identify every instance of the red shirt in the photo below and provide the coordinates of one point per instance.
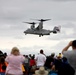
(32, 62)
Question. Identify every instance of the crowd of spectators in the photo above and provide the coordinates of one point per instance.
(17, 64)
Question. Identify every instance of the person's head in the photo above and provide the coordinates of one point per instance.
(5, 54)
(26, 56)
(59, 53)
(2, 60)
(41, 51)
(41, 71)
(52, 54)
(15, 51)
(32, 57)
(74, 44)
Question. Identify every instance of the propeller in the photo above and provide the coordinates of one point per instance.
(30, 23)
(43, 20)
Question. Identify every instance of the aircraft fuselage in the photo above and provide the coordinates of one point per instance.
(37, 32)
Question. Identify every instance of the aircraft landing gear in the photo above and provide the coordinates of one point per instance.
(40, 35)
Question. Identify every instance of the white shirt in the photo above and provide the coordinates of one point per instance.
(40, 60)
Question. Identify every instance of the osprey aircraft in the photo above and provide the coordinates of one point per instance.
(39, 30)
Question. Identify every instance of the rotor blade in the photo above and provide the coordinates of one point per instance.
(30, 22)
(44, 19)
(41, 19)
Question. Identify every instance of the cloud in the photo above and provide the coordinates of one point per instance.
(62, 0)
(14, 12)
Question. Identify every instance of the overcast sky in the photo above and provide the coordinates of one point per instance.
(14, 12)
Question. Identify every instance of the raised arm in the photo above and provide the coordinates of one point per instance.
(67, 47)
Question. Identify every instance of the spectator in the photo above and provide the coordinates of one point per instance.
(40, 59)
(41, 71)
(64, 68)
(14, 61)
(3, 65)
(32, 65)
(32, 61)
(60, 55)
(49, 61)
(71, 44)
(26, 63)
(71, 55)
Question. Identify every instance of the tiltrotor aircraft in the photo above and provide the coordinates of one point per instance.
(39, 29)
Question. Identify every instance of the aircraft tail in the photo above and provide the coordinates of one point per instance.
(57, 29)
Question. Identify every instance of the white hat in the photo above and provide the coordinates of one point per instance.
(41, 71)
